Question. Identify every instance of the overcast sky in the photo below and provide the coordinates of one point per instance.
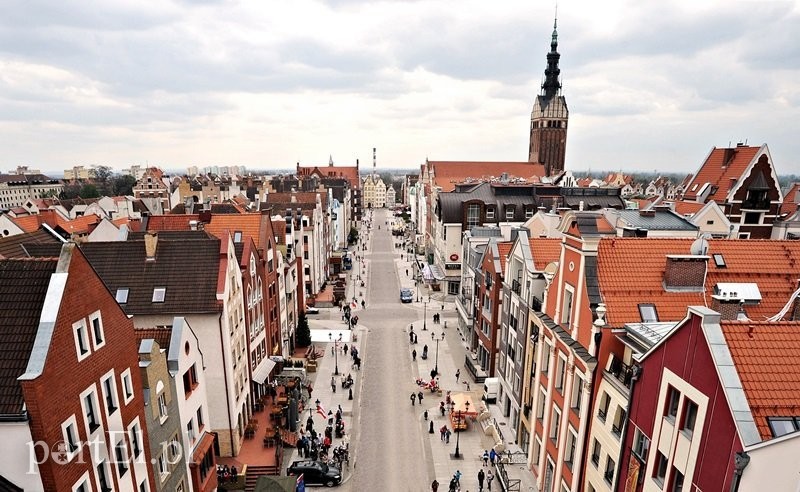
(650, 85)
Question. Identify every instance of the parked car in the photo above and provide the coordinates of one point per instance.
(406, 295)
(312, 310)
(315, 473)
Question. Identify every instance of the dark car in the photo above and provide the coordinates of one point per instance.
(406, 295)
(315, 473)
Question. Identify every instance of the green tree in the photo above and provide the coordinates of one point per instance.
(70, 191)
(89, 191)
(103, 179)
(123, 185)
(303, 333)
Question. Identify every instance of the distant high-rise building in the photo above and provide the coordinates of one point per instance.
(548, 133)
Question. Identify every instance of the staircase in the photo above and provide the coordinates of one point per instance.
(254, 472)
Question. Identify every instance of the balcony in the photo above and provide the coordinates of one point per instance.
(754, 204)
(536, 304)
(515, 286)
(621, 372)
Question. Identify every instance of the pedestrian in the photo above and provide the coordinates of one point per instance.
(363, 303)
(485, 458)
(345, 349)
(466, 383)
(458, 374)
(415, 338)
(419, 397)
(481, 477)
(333, 384)
(493, 456)
(414, 354)
(406, 269)
(234, 473)
(453, 485)
(441, 408)
(447, 434)
(442, 432)
(457, 476)
(413, 399)
(489, 479)
(425, 414)
(434, 486)
(411, 336)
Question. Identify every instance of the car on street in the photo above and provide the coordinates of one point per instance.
(312, 310)
(315, 473)
(406, 295)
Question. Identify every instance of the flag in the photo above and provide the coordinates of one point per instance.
(301, 485)
(321, 411)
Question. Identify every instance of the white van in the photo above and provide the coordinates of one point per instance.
(490, 388)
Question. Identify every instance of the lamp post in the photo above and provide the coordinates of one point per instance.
(335, 353)
(425, 318)
(457, 454)
(436, 366)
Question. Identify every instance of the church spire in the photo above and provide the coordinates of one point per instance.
(552, 85)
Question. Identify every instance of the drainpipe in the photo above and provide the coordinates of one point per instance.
(636, 371)
(225, 378)
(740, 462)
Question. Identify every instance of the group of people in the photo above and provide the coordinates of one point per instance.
(225, 474)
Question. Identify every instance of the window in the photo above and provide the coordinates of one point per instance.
(577, 393)
(110, 394)
(162, 406)
(90, 411)
(660, 470)
(566, 312)
(143, 487)
(677, 481)
(509, 213)
(572, 440)
(200, 421)
(540, 403)
(673, 397)
(648, 313)
(122, 295)
(595, 452)
(780, 426)
(237, 237)
(555, 424)
(490, 213)
(127, 386)
(162, 466)
(190, 380)
(81, 339)
(528, 213)
(752, 218)
(619, 421)
(719, 260)
(159, 293)
(82, 485)
(641, 443)
(602, 411)
(102, 477)
(689, 416)
(609, 473)
(135, 435)
(121, 454)
(545, 357)
(561, 372)
(537, 448)
(69, 430)
(190, 430)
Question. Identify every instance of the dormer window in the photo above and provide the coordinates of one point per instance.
(237, 237)
(509, 213)
(159, 293)
(490, 213)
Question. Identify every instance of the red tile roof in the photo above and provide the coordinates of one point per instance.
(723, 168)
(160, 335)
(791, 200)
(687, 208)
(171, 222)
(631, 271)
(765, 356)
(348, 172)
(248, 224)
(449, 173)
(299, 196)
(544, 251)
(79, 225)
(503, 249)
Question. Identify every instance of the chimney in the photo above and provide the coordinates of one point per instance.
(193, 225)
(647, 213)
(150, 243)
(685, 272)
(727, 308)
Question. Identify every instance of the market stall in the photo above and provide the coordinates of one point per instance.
(462, 408)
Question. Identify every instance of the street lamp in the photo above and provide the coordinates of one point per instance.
(436, 366)
(457, 454)
(336, 353)
(425, 318)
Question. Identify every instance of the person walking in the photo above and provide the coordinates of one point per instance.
(481, 478)
(414, 354)
(419, 397)
(413, 399)
(447, 434)
(333, 384)
(458, 374)
(434, 486)
(489, 479)
(485, 458)
(442, 432)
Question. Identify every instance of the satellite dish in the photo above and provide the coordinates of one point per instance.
(699, 247)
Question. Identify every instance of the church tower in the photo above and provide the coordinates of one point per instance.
(548, 140)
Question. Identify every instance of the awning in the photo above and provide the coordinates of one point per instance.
(438, 274)
(202, 447)
(262, 371)
(460, 401)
